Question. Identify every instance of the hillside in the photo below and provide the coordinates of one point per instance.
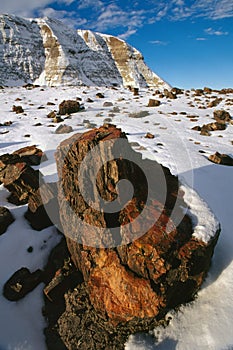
(46, 52)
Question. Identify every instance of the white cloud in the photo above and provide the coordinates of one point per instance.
(201, 39)
(158, 42)
(84, 4)
(211, 31)
(27, 8)
(127, 34)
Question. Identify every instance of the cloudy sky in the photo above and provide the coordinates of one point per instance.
(189, 43)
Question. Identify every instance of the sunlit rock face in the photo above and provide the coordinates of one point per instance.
(46, 52)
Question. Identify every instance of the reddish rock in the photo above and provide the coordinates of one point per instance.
(132, 278)
(68, 107)
(21, 283)
(149, 136)
(6, 218)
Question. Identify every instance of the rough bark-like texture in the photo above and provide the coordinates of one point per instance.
(31, 155)
(128, 284)
(162, 268)
(43, 209)
(18, 177)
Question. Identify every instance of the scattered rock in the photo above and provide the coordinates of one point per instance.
(50, 103)
(58, 119)
(214, 103)
(107, 104)
(89, 100)
(17, 109)
(99, 95)
(135, 91)
(21, 283)
(223, 159)
(18, 177)
(68, 107)
(43, 209)
(177, 91)
(169, 94)
(153, 103)
(6, 218)
(31, 155)
(63, 129)
(52, 114)
(141, 114)
(149, 136)
(207, 90)
(222, 116)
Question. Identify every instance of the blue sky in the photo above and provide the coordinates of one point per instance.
(188, 43)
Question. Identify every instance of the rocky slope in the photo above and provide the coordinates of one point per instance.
(46, 52)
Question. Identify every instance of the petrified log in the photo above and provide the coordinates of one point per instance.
(137, 258)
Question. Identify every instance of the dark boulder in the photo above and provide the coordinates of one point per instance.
(6, 218)
(21, 283)
(68, 107)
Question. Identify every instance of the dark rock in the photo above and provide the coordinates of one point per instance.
(99, 95)
(177, 91)
(169, 94)
(135, 91)
(6, 218)
(107, 104)
(58, 119)
(196, 128)
(153, 103)
(199, 92)
(43, 209)
(17, 109)
(18, 177)
(63, 129)
(21, 283)
(223, 159)
(222, 116)
(31, 155)
(68, 107)
(207, 90)
(89, 100)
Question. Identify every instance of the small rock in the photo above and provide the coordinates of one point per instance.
(223, 159)
(52, 114)
(21, 283)
(89, 100)
(153, 103)
(149, 136)
(58, 119)
(214, 103)
(17, 109)
(6, 218)
(222, 116)
(135, 91)
(99, 95)
(107, 104)
(63, 129)
(68, 107)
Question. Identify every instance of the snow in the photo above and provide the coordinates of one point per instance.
(203, 324)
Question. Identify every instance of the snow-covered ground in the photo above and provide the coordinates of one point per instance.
(203, 324)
